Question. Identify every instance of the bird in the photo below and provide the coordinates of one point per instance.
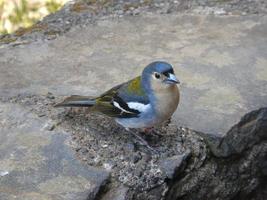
(142, 102)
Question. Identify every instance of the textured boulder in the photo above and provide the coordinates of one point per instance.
(37, 162)
(234, 169)
(48, 153)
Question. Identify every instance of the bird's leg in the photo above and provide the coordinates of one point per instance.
(151, 132)
(142, 141)
(148, 130)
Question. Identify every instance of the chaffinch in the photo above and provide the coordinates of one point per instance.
(142, 102)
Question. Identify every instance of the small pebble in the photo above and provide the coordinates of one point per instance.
(136, 12)
(50, 95)
(108, 166)
(104, 145)
(120, 12)
(49, 126)
(136, 158)
(4, 173)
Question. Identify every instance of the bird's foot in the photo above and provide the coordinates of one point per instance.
(148, 130)
(143, 142)
(151, 133)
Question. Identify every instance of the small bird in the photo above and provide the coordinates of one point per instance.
(143, 102)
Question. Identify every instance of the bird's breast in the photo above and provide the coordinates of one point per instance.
(166, 102)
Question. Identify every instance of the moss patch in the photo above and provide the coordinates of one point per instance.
(79, 7)
(34, 28)
(7, 40)
(52, 32)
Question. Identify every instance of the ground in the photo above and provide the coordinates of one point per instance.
(220, 60)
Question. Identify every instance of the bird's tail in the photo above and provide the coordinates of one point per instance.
(77, 101)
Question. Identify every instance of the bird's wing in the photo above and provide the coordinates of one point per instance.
(123, 101)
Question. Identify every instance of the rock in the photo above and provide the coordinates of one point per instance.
(251, 129)
(49, 126)
(94, 51)
(238, 169)
(117, 193)
(136, 11)
(171, 166)
(50, 95)
(4, 173)
(203, 88)
(37, 164)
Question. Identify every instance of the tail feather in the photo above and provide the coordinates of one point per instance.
(77, 101)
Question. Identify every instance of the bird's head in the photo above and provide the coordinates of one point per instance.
(159, 75)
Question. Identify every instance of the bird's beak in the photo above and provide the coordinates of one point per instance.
(171, 79)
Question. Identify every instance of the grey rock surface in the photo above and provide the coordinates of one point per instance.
(117, 193)
(250, 131)
(100, 143)
(188, 165)
(36, 163)
(238, 169)
(85, 49)
(84, 12)
(222, 70)
(172, 165)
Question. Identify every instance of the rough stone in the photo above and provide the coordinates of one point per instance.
(172, 165)
(251, 130)
(38, 164)
(101, 144)
(223, 75)
(239, 173)
(119, 193)
(219, 68)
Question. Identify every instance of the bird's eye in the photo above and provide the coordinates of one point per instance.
(157, 75)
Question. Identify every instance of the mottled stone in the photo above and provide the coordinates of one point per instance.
(261, 67)
(171, 165)
(218, 59)
(193, 79)
(37, 163)
(221, 100)
(222, 70)
(221, 62)
(234, 168)
(117, 193)
(251, 129)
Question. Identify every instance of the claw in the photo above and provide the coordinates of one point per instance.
(148, 130)
(143, 142)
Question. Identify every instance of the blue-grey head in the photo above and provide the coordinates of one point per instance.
(158, 75)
